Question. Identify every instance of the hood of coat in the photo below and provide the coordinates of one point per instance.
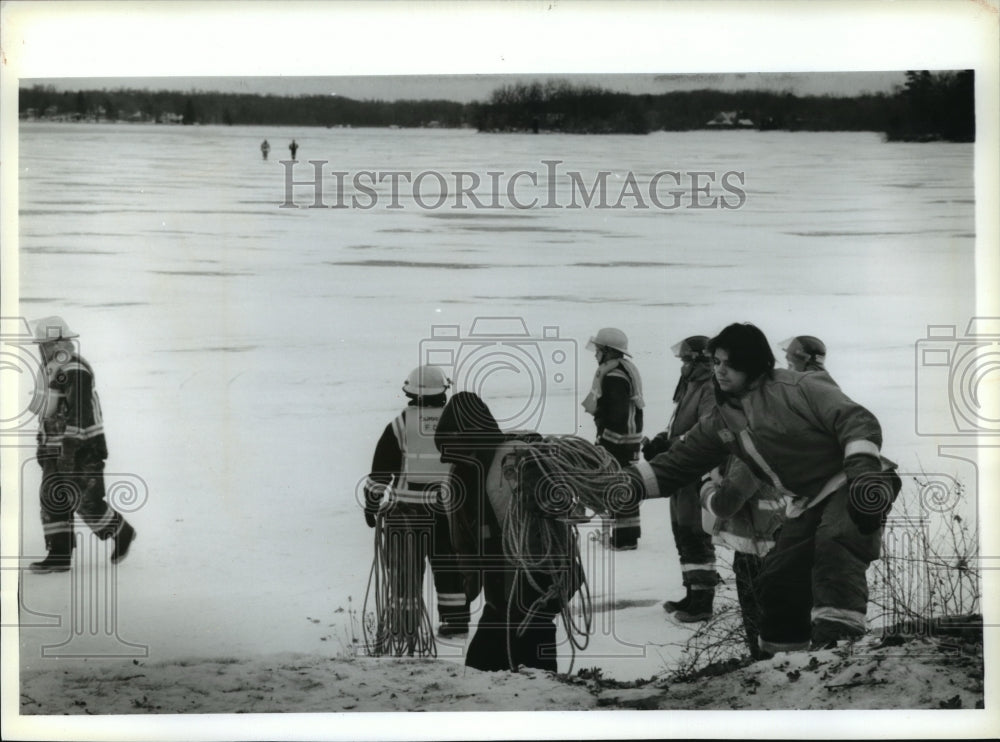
(467, 426)
(691, 374)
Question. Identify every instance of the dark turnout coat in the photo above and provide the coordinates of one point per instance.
(518, 610)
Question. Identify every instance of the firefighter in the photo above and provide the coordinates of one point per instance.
(805, 353)
(615, 400)
(415, 505)
(820, 450)
(693, 398)
(71, 451)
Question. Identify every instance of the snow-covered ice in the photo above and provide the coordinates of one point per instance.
(249, 356)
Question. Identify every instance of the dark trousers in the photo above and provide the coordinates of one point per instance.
(694, 546)
(535, 647)
(813, 581)
(746, 569)
(626, 529)
(417, 534)
(79, 491)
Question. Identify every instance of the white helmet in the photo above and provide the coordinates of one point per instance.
(49, 329)
(426, 381)
(609, 337)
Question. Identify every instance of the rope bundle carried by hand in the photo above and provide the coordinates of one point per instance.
(555, 481)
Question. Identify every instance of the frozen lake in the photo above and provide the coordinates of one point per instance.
(248, 356)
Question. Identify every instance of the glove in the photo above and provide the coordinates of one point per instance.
(44, 452)
(871, 492)
(660, 444)
(373, 499)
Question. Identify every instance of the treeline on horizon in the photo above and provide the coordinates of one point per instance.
(929, 106)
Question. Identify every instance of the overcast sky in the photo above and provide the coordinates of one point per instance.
(478, 87)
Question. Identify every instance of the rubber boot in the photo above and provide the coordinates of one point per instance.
(454, 621)
(624, 540)
(60, 556)
(759, 654)
(671, 606)
(699, 608)
(124, 539)
(826, 634)
(452, 628)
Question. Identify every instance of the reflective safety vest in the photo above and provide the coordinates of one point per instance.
(422, 467)
(84, 422)
(632, 435)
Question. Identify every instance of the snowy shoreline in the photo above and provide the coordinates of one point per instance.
(922, 673)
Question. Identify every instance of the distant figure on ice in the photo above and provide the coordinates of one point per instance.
(264, 149)
(819, 449)
(293, 148)
(805, 353)
(527, 566)
(615, 400)
(693, 397)
(415, 509)
(71, 451)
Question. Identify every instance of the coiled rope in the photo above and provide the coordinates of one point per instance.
(402, 625)
(555, 482)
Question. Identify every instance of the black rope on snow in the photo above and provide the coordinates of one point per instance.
(395, 582)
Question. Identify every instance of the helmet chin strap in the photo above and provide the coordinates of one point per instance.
(608, 354)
